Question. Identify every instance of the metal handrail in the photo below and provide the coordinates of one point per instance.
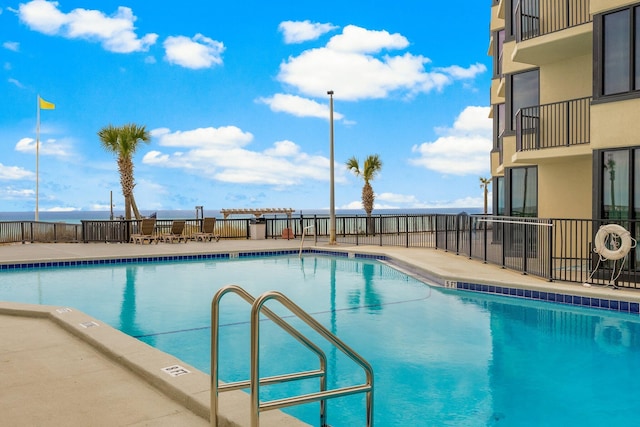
(257, 307)
(321, 396)
(215, 325)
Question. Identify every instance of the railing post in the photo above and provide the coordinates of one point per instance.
(471, 228)
(484, 244)
(379, 229)
(550, 254)
(406, 226)
(504, 243)
(457, 234)
(315, 229)
(357, 231)
(525, 251)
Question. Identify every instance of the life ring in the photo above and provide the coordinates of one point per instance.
(607, 231)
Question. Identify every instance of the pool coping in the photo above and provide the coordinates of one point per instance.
(173, 377)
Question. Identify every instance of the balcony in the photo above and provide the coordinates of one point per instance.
(552, 30)
(560, 124)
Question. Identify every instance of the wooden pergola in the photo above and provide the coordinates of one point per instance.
(257, 212)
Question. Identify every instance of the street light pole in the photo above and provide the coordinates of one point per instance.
(332, 201)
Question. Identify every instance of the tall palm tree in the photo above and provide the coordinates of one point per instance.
(484, 183)
(371, 167)
(123, 142)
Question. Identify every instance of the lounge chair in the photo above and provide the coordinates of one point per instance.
(177, 227)
(207, 233)
(147, 232)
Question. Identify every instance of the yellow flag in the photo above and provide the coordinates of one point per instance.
(44, 105)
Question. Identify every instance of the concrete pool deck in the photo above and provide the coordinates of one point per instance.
(59, 366)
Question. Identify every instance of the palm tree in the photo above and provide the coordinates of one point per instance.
(372, 166)
(123, 142)
(484, 183)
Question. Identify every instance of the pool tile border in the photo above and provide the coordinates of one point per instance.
(555, 297)
(188, 257)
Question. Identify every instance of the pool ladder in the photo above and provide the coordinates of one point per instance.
(255, 382)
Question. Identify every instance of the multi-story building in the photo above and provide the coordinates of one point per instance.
(566, 108)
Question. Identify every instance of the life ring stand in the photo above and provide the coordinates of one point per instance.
(610, 230)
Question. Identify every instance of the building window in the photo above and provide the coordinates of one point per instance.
(617, 54)
(498, 188)
(497, 55)
(619, 184)
(523, 92)
(523, 191)
(615, 184)
(498, 124)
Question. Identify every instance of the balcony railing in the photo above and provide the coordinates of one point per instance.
(535, 18)
(559, 124)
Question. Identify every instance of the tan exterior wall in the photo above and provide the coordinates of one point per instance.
(496, 22)
(564, 189)
(495, 98)
(560, 81)
(615, 124)
(597, 6)
(508, 66)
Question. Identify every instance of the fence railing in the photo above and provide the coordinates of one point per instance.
(36, 231)
(535, 18)
(559, 124)
(554, 249)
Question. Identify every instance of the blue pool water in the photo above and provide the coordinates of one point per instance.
(440, 357)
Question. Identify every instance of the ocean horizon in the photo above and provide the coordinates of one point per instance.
(75, 217)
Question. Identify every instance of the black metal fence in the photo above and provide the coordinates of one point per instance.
(536, 18)
(559, 124)
(554, 249)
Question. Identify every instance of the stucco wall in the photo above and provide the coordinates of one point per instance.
(565, 189)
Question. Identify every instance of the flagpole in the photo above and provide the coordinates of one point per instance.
(37, 155)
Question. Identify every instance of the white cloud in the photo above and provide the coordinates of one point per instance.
(458, 72)
(301, 31)
(16, 83)
(400, 201)
(463, 149)
(361, 40)
(61, 209)
(49, 147)
(221, 154)
(14, 46)
(115, 32)
(397, 198)
(197, 52)
(225, 136)
(351, 65)
(299, 106)
(14, 173)
(10, 193)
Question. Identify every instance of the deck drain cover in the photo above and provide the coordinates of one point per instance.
(176, 370)
(89, 324)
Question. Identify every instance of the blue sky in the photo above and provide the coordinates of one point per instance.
(235, 97)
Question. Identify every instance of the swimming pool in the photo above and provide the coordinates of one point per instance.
(440, 357)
